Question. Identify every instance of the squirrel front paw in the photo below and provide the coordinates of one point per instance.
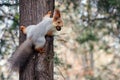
(23, 29)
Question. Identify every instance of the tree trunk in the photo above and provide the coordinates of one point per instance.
(39, 66)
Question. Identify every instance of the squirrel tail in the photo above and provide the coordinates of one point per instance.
(21, 55)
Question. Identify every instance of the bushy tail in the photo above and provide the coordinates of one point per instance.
(21, 55)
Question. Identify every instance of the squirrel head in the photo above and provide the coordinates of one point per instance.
(57, 21)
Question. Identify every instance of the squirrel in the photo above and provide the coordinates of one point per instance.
(46, 27)
(35, 38)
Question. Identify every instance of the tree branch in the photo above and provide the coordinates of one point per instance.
(8, 4)
(106, 18)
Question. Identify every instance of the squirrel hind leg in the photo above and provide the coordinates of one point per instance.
(23, 29)
(40, 50)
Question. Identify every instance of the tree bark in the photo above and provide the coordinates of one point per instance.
(39, 66)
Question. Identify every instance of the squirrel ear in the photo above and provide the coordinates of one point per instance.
(49, 13)
(56, 14)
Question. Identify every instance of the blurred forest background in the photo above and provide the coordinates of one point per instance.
(86, 49)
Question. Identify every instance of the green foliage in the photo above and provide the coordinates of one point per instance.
(2, 43)
(112, 2)
(57, 60)
(91, 47)
(107, 4)
(69, 66)
(13, 27)
(1, 18)
(15, 22)
(17, 16)
(74, 2)
(2, 76)
(87, 36)
(88, 77)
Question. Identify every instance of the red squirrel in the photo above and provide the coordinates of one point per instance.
(35, 38)
(46, 27)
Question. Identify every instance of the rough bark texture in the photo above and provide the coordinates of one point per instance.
(39, 66)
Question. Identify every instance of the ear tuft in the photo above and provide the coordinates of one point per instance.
(49, 13)
(56, 14)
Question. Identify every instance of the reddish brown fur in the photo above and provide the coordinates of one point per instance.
(23, 29)
(40, 50)
(49, 33)
(56, 15)
(57, 20)
(22, 54)
(49, 13)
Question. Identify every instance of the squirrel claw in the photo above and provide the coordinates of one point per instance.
(40, 50)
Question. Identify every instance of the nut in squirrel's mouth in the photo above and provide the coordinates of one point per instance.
(58, 28)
